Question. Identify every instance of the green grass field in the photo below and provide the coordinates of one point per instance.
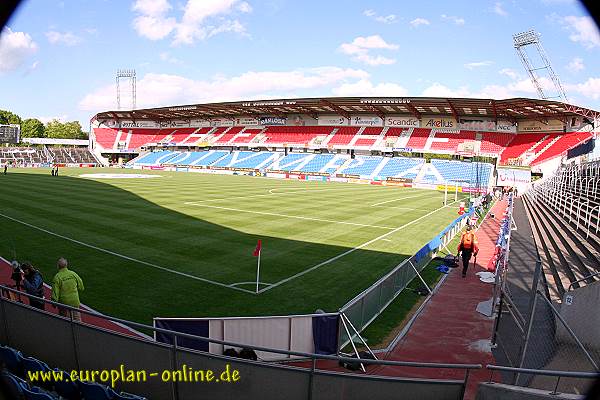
(181, 245)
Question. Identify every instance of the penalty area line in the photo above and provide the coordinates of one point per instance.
(91, 246)
(332, 259)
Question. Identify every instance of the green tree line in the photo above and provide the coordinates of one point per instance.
(34, 128)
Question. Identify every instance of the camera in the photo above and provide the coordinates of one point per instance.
(17, 274)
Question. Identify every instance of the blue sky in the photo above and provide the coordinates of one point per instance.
(58, 58)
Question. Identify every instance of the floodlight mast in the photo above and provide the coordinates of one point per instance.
(130, 75)
(532, 38)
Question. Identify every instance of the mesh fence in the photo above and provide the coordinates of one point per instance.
(544, 335)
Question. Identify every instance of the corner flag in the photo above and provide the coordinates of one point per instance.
(257, 254)
(257, 249)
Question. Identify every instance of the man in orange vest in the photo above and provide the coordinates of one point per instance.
(468, 247)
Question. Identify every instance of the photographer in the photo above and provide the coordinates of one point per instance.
(33, 285)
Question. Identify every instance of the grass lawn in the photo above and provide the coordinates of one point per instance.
(180, 245)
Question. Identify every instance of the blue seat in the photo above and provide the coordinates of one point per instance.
(95, 391)
(35, 393)
(13, 385)
(66, 388)
(33, 365)
(11, 359)
(127, 396)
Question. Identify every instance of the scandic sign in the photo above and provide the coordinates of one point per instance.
(402, 122)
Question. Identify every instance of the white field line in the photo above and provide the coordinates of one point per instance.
(249, 283)
(398, 199)
(332, 259)
(124, 256)
(271, 193)
(294, 216)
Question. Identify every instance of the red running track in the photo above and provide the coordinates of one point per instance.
(5, 272)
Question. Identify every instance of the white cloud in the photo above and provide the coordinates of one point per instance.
(66, 38)
(576, 65)
(152, 7)
(384, 19)
(589, 88)
(456, 20)
(419, 21)
(365, 87)
(478, 64)
(201, 19)
(196, 12)
(511, 73)
(583, 30)
(163, 89)
(439, 90)
(154, 28)
(360, 47)
(165, 56)
(498, 9)
(15, 47)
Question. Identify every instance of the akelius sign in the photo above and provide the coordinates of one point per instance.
(438, 123)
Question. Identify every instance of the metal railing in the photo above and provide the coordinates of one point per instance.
(82, 358)
(542, 372)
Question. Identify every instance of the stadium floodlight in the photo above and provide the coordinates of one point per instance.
(127, 74)
(531, 38)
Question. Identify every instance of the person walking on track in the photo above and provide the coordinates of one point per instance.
(467, 247)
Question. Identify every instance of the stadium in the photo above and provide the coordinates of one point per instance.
(328, 246)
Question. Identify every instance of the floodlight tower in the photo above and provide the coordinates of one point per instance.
(532, 39)
(127, 74)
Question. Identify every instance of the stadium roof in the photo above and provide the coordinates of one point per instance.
(509, 109)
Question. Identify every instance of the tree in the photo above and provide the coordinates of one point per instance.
(69, 130)
(7, 117)
(32, 128)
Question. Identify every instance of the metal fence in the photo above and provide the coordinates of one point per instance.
(75, 346)
(369, 304)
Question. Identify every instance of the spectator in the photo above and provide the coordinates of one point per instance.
(468, 247)
(66, 286)
(33, 285)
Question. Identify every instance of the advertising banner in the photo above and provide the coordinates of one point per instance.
(199, 123)
(300, 120)
(247, 121)
(175, 124)
(399, 180)
(365, 120)
(539, 126)
(219, 122)
(138, 124)
(476, 124)
(332, 120)
(438, 123)
(402, 122)
(506, 126)
(272, 120)
(520, 178)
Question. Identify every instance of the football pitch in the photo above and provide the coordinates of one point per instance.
(181, 244)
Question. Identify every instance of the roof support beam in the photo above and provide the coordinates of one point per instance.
(413, 110)
(378, 111)
(338, 109)
(494, 110)
(454, 113)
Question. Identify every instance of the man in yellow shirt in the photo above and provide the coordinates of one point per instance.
(66, 286)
